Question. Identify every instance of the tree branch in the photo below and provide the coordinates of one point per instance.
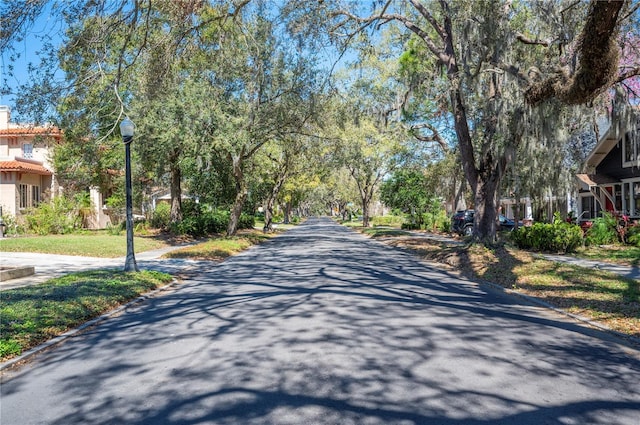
(597, 69)
(526, 40)
(624, 75)
(434, 137)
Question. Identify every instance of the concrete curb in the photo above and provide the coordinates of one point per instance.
(9, 273)
(91, 323)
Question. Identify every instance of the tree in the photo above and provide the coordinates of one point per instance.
(406, 191)
(268, 92)
(368, 153)
(124, 56)
(482, 51)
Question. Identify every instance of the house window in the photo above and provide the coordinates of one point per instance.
(631, 149)
(23, 191)
(29, 196)
(35, 196)
(27, 151)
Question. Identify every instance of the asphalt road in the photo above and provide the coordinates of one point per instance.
(323, 326)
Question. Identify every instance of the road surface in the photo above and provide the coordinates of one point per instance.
(323, 326)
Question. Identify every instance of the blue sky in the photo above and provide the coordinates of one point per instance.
(27, 51)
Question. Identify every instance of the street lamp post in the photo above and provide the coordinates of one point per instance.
(126, 130)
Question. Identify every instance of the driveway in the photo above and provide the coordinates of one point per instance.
(323, 326)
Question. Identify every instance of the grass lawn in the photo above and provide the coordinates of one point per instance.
(219, 248)
(94, 244)
(628, 255)
(599, 295)
(34, 314)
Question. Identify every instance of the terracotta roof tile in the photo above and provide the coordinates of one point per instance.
(24, 167)
(31, 131)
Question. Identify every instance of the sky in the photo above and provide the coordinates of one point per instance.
(25, 52)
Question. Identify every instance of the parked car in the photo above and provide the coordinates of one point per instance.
(506, 223)
(462, 223)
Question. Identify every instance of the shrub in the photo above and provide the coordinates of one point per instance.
(116, 230)
(215, 221)
(188, 226)
(246, 221)
(11, 225)
(557, 237)
(388, 220)
(410, 225)
(603, 230)
(436, 220)
(59, 216)
(209, 222)
(633, 235)
(161, 216)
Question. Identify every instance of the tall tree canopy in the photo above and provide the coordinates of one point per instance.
(214, 81)
(492, 61)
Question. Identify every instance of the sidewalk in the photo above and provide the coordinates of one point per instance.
(630, 272)
(48, 266)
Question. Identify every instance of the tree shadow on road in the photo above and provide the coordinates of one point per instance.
(322, 326)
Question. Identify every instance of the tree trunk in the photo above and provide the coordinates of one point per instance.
(268, 217)
(176, 191)
(287, 213)
(365, 210)
(598, 56)
(268, 214)
(236, 211)
(241, 196)
(486, 211)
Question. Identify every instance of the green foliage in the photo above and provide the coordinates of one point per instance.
(559, 236)
(410, 225)
(11, 225)
(633, 235)
(161, 216)
(202, 223)
(246, 221)
(603, 230)
(406, 191)
(436, 220)
(388, 220)
(115, 201)
(115, 230)
(60, 216)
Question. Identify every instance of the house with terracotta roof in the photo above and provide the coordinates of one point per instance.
(612, 181)
(26, 176)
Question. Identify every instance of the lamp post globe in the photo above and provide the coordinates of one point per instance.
(126, 130)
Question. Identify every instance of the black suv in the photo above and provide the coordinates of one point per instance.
(462, 222)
